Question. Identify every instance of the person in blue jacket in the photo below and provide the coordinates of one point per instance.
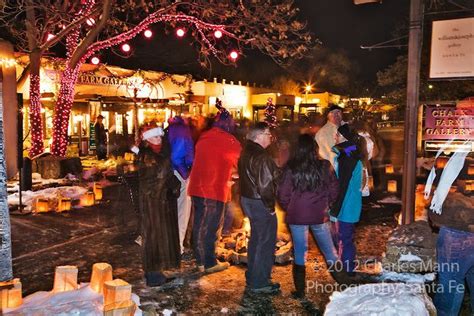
(182, 156)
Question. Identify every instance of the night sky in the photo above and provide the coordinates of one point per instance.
(338, 24)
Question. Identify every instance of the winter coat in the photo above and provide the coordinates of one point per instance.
(182, 148)
(258, 175)
(217, 153)
(157, 199)
(310, 207)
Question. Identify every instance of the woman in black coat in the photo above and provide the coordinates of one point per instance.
(158, 192)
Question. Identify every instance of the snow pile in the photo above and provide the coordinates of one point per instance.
(82, 302)
(409, 257)
(406, 277)
(28, 197)
(390, 200)
(381, 299)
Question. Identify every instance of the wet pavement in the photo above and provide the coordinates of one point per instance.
(106, 233)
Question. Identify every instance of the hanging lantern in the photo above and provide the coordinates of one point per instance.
(392, 186)
(97, 191)
(88, 199)
(389, 169)
(65, 278)
(64, 204)
(116, 291)
(101, 273)
(41, 205)
(10, 295)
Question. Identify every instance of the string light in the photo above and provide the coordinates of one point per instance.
(126, 47)
(218, 34)
(270, 113)
(180, 32)
(95, 60)
(36, 126)
(90, 21)
(49, 37)
(233, 55)
(148, 33)
(7, 62)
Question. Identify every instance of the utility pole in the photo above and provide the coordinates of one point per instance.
(413, 82)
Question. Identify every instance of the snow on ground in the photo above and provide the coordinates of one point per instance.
(406, 277)
(409, 257)
(28, 197)
(381, 299)
(82, 302)
(390, 200)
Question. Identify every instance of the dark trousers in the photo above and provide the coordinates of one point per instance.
(344, 237)
(208, 218)
(101, 151)
(261, 249)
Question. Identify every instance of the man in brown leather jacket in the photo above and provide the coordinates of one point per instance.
(259, 175)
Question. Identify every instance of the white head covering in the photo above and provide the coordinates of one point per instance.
(157, 131)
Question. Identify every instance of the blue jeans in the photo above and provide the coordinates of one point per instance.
(322, 234)
(344, 239)
(261, 251)
(455, 252)
(208, 217)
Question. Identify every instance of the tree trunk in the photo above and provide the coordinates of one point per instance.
(36, 123)
(63, 110)
(6, 272)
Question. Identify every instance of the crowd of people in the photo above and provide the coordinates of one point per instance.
(184, 174)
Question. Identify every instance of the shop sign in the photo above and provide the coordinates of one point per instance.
(101, 80)
(449, 123)
(452, 53)
(92, 136)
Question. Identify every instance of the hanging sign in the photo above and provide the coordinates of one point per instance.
(449, 123)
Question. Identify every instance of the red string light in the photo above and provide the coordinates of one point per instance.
(36, 126)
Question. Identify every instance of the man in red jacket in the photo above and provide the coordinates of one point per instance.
(216, 155)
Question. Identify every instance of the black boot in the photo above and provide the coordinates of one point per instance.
(156, 278)
(342, 278)
(299, 279)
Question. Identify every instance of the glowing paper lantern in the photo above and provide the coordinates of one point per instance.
(180, 32)
(65, 278)
(126, 308)
(97, 191)
(392, 186)
(389, 169)
(42, 205)
(10, 295)
(116, 291)
(371, 183)
(88, 199)
(64, 204)
(101, 273)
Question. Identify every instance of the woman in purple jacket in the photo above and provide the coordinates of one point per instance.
(308, 187)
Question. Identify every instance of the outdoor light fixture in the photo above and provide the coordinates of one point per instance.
(148, 33)
(64, 204)
(233, 55)
(180, 32)
(101, 273)
(126, 47)
(430, 86)
(97, 191)
(308, 88)
(10, 295)
(65, 278)
(95, 60)
(41, 205)
(217, 34)
(389, 169)
(392, 186)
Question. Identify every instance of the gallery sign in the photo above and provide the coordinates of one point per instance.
(449, 123)
(452, 49)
